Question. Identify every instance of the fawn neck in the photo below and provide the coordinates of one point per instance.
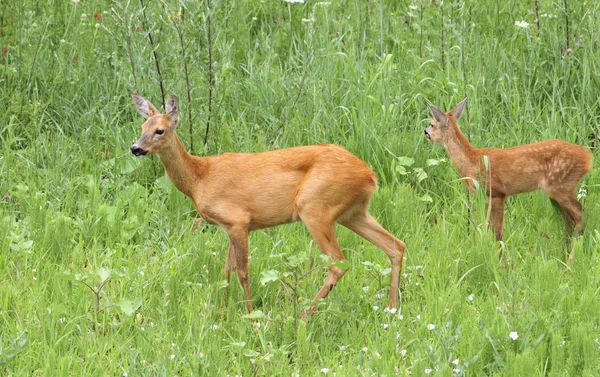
(461, 152)
(183, 169)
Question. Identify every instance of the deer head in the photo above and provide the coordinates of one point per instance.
(158, 131)
(442, 125)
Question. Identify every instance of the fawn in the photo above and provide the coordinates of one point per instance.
(554, 166)
(240, 192)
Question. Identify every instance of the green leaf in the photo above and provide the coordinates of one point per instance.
(129, 306)
(401, 170)
(425, 198)
(237, 344)
(269, 276)
(104, 274)
(420, 174)
(406, 161)
(257, 314)
(250, 353)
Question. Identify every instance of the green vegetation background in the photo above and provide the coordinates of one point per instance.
(102, 271)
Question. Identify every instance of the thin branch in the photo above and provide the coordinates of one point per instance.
(567, 24)
(537, 15)
(160, 80)
(179, 28)
(442, 34)
(211, 78)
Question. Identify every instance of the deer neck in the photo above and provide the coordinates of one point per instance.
(183, 169)
(462, 153)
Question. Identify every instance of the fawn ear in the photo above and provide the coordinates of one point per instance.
(438, 114)
(143, 106)
(172, 108)
(458, 109)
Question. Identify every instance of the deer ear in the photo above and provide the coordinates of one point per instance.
(172, 108)
(437, 113)
(458, 109)
(143, 106)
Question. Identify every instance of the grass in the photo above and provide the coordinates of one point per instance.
(102, 271)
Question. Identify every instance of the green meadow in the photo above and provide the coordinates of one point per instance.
(106, 270)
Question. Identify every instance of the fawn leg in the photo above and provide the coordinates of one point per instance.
(238, 236)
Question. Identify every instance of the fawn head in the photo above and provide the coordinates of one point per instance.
(442, 125)
(159, 129)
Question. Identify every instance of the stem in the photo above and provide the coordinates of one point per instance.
(537, 15)
(160, 80)
(421, 33)
(567, 24)
(442, 34)
(179, 28)
(210, 73)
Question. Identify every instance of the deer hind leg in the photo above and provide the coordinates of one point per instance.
(572, 212)
(367, 227)
(323, 231)
(230, 262)
(238, 236)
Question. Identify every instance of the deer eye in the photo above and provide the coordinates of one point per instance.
(159, 132)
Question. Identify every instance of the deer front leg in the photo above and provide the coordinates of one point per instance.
(497, 211)
(238, 236)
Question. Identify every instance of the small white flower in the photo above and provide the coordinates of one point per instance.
(427, 371)
(418, 316)
(471, 297)
(61, 320)
(365, 349)
(400, 317)
(325, 370)
(403, 352)
(365, 288)
(294, 1)
(379, 295)
(397, 334)
(582, 193)
(385, 325)
(375, 307)
(307, 20)
(522, 24)
(455, 370)
(214, 327)
(342, 348)
(214, 253)
(393, 310)
(125, 374)
(172, 356)
(513, 335)
(430, 326)
(455, 361)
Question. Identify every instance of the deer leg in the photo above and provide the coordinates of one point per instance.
(497, 212)
(238, 236)
(324, 234)
(572, 212)
(367, 227)
(230, 262)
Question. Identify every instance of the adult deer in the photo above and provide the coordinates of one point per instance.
(318, 185)
(554, 166)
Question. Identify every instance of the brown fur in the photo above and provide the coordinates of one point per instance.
(554, 166)
(318, 185)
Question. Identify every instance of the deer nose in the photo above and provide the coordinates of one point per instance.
(137, 151)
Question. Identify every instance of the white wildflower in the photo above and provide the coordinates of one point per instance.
(403, 352)
(513, 335)
(522, 24)
(325, 370)
(430, 326)
(455, 361)
(427, 371)
(365, 349)
(375, 307)
(471, 297)
(385, 325)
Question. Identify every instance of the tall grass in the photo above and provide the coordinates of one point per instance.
(103, 270)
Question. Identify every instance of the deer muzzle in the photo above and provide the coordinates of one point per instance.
(137, 151)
